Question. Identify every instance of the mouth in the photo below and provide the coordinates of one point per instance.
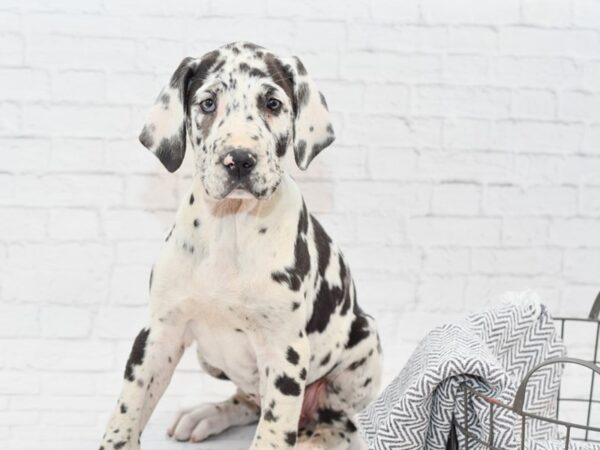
(240, 193)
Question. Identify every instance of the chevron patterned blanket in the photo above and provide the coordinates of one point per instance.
(491, 351)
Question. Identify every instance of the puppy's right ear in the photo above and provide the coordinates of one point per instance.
(164, 132)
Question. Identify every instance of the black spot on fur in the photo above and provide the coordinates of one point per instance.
(119, 445)
(326, 360)
(191, 199)
(303, 374)
(269, 416)
(290, 438)
(323, 101)
(254, 72)
(295, 306)
(150, 281)
(328, 297)
(244, 67)
(262, 230)
(123, 408)
(196, 223)
(136, 357)
(292, 356)
(322, 244)
(356, 364)
(287, 386)
(358, 331)
(328, 415)
(294, 275)
(367, 382)
(350, 426)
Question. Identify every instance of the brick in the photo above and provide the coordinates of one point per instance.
(23, 154)
(585, 12)
(520, 231)
(471, 232)
(368, 197)
(456, 199)
(517, 261)
(553, 13)
(18, 321)
(463, 12)
(79, 85)
(467, 134)
(310, 35)
(580, 106)
(462, 101)
(444, 261)
(537, 200)
(538, 72)
(396, 12)
(386, 259)
(575, 232)
(131, 224)
(12, 49)
(441, 294)
(133, 88)
(150, 191)
(534, 104)
(475, 166)
(65, 322)
(82, 120)
(466, 69)
(76, 155)
(25, 84)
(538, 136)
(22, 224)
(10, 118)
(552, 42)
(581, 265)
(401, 68)
(373, 130)
(392, 163)
(129, 285)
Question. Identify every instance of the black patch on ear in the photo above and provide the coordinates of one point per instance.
(171, 151)
(287, 386)
(300, 150)
(292, 356)
(251, 46)
(323, 101)
(303, 94)
(136, 357)
(319, 146)
(281, 76)
(300, 67)
(195, 78)
(146, 135)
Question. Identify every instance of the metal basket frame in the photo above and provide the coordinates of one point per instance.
(517, 405)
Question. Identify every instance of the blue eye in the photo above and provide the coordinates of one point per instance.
(208, 105)
(273, 104)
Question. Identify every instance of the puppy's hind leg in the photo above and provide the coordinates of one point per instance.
(197, 424)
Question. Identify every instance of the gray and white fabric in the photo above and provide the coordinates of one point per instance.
(491, 351)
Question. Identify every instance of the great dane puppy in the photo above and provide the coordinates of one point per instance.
(246, 272)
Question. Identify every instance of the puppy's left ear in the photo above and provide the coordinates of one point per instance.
(312, 123)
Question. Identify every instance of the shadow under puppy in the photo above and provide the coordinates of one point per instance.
(246, 272)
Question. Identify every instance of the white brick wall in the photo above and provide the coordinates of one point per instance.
(467, 163)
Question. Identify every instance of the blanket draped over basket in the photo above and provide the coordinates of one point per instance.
(491, 351)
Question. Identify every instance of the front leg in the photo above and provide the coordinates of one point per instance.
(283, 358)
(154, 356)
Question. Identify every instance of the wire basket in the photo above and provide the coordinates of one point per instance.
(587, 432)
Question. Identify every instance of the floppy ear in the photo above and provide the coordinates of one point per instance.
(312, 123)
(164, 132)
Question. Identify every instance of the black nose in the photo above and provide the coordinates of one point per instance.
(239, 162)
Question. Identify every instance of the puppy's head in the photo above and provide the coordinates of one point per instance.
(242, 109)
